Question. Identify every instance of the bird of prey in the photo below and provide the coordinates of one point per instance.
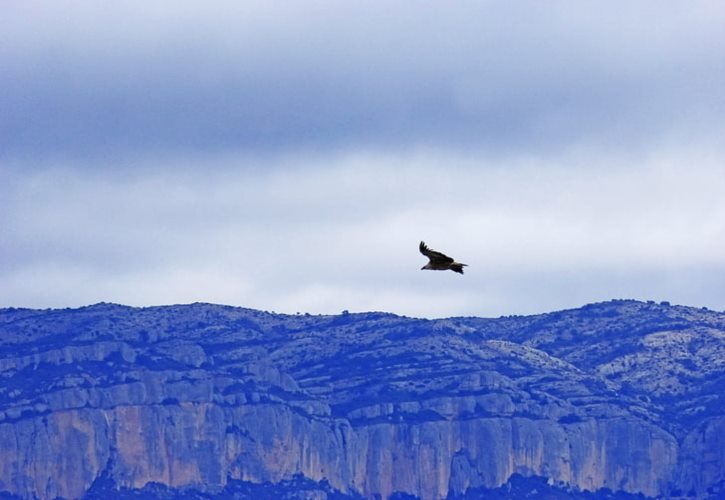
(439, 261)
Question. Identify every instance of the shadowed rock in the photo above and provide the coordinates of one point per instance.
(623, 395)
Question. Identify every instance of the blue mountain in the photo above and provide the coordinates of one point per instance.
(621, 399)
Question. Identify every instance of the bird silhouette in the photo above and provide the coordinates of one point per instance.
(438, 261)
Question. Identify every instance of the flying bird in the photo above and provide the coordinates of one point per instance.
(438, 261)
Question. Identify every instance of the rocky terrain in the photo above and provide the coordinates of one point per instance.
(621, 399)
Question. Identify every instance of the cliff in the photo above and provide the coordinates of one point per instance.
(621, 396)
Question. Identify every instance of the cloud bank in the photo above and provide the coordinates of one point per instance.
(130, 80)
(290, 157)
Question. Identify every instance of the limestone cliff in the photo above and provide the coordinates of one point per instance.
(621, 395)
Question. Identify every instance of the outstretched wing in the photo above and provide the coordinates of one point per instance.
(435, 257)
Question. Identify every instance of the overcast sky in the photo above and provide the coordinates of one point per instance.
(289, 156)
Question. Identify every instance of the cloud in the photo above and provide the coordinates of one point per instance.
(291, 158)
(125, 81)
(342, 233)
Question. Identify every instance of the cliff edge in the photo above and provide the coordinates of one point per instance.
(621, 396)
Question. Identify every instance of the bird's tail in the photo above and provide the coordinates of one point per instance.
(457, 267)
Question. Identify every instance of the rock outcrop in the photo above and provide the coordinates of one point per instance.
(623, 395)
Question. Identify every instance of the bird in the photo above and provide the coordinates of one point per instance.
(439, 261)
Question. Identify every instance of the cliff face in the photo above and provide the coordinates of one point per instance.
(621, 395)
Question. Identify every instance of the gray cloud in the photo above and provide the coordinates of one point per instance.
(342, 234)
(290, 157)
(123, 81)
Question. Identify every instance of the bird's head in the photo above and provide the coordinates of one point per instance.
(427, 266)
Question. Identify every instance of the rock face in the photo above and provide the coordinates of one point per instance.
(622, 395)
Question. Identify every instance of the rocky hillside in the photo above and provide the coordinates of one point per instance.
(611, 400)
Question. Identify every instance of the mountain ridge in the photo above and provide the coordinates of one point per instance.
(620, 395)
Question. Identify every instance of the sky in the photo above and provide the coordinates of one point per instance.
(290, 156)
